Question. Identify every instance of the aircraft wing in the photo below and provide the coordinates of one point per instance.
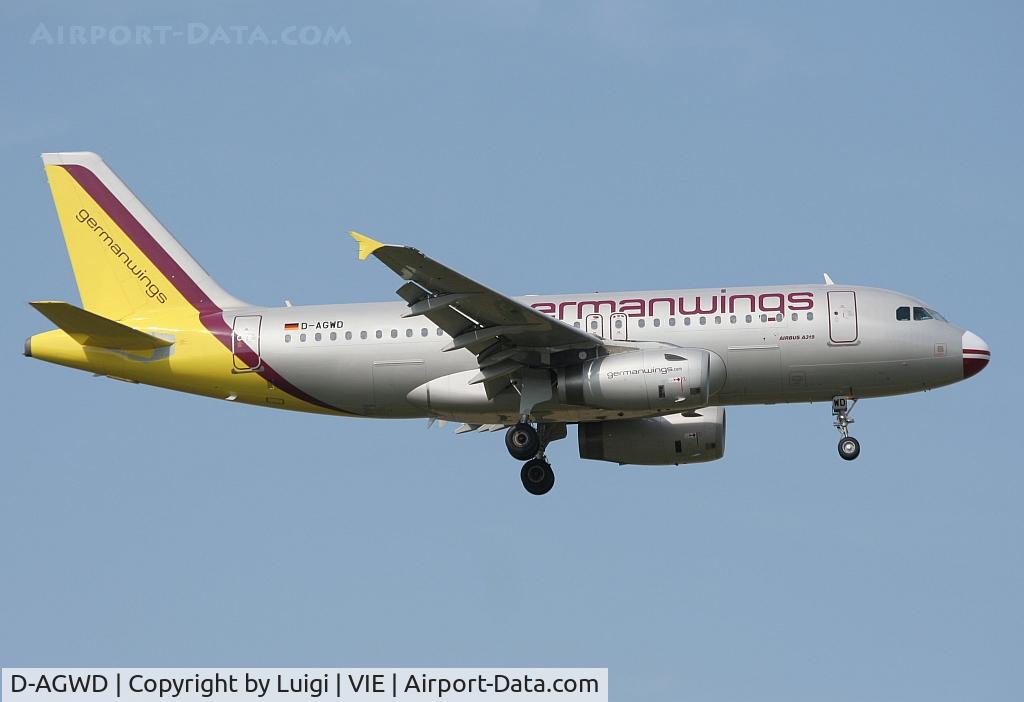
(491, 325)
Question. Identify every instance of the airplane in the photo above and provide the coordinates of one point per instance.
(645, 376)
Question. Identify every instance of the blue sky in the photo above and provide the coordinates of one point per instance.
(539, 147)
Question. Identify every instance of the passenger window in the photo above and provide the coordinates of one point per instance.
(671, 321)
(749, 319)
(641, 323)
(287, 338)
(902, 314)
(657, 322)
(718, 320)
(408, 332)
(686, 321)
(318, 336)
(440, 331)
(302, 337)
(380, 334)
(810, 316)
(394, 333)
(334, 336)
(703, 321)
(423, 331)
(732, 319)
(348, 336)
(362, 335)
(921, 314)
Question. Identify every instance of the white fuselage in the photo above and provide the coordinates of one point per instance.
(778, 344)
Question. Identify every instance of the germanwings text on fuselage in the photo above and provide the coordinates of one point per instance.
(745, 303)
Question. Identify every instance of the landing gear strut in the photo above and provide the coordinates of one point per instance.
(849, 447)
(526, 442)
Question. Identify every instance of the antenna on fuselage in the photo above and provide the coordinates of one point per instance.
(828, 280)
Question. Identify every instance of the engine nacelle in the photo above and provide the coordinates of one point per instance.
(656, 441)
(680, 379)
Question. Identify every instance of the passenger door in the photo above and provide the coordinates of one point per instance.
(842, 316)
(245, 343)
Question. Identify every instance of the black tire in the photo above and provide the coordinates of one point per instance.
(537, 476)
(849, 448)
(522, 442)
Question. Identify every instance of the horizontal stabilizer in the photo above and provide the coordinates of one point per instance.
(90, 329)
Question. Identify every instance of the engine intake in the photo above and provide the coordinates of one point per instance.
(681, 378)
(656, 441)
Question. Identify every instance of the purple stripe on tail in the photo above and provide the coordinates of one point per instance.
(142, 238)
(210, 314)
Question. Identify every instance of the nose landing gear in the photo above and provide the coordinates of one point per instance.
(525, 442)
(849, 447)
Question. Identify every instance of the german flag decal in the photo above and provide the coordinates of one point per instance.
(291, 326)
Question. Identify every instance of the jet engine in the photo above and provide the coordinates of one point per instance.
(694, 437)
(680, 378)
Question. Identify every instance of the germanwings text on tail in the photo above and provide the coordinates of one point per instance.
(645, 376)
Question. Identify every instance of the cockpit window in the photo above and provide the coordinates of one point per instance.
(920, 314)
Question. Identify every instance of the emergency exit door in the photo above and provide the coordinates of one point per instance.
(620, 330)
(245, 342)
(842, 316)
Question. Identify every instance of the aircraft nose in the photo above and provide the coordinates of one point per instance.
(976, 354)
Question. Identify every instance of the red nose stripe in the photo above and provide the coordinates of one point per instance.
(981, 352)
(973, 366)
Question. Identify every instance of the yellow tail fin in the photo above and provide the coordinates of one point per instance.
(126, 263)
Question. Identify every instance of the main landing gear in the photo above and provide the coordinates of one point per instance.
(522, 441)
(537, 476)
(526, 442)
(849, 447)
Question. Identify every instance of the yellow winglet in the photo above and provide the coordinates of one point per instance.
(366, 245)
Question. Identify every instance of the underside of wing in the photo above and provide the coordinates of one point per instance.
(516, 346)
